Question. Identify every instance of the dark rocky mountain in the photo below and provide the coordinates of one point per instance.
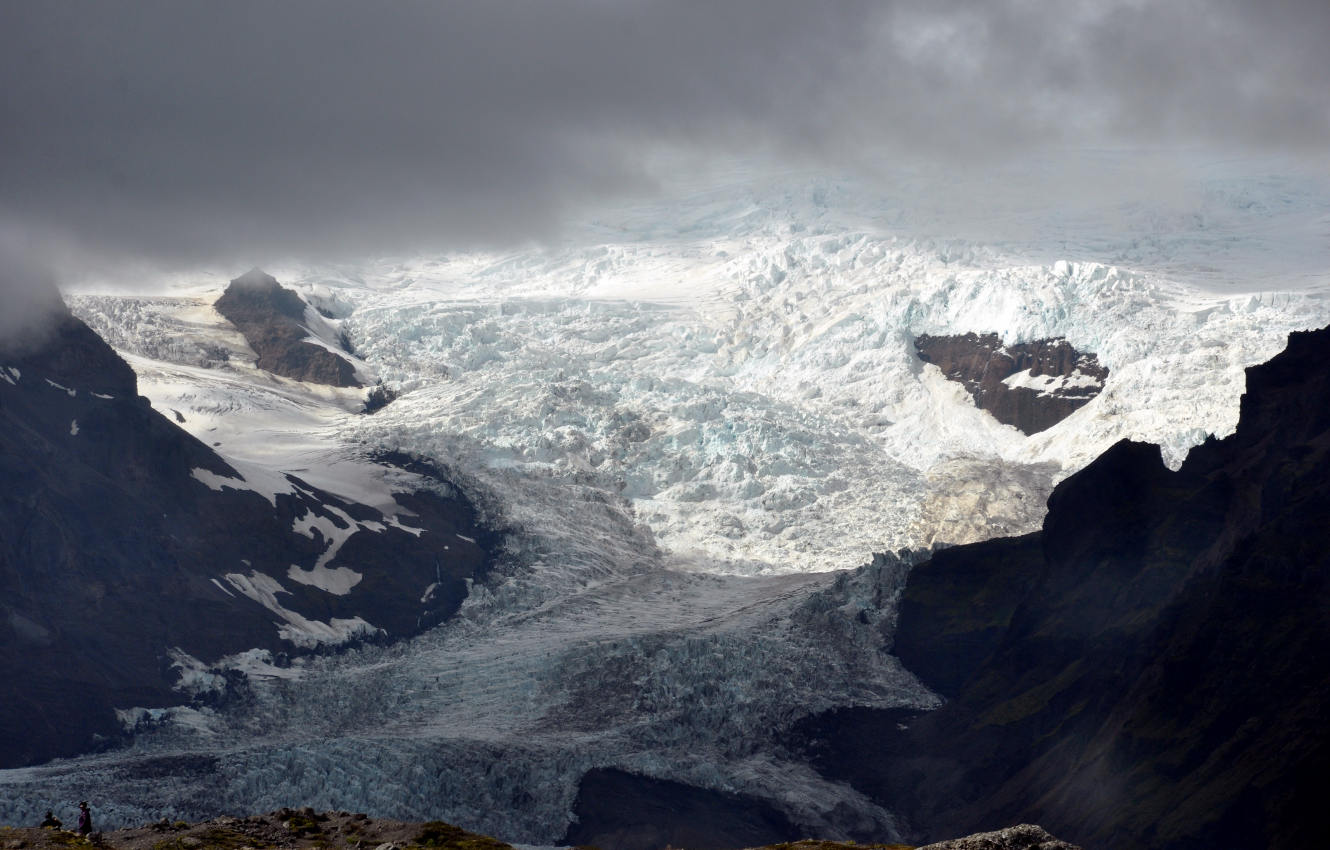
(1151, 670)
(124, 539)
(274, 322)
(1058, 379)
(618, 809)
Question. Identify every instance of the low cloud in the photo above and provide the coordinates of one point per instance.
(247, 132)
(27, 292)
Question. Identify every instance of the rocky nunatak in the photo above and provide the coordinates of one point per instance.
(130, 551)
(1030, 385)
(277, 325)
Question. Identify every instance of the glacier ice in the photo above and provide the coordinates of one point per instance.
(690, 417)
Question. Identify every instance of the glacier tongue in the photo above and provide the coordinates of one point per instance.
(490, 720)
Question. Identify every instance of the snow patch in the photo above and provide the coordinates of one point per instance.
(396, 522)
(213, 481)
(63, 388)
(259, 662)
(202, 722)
(195, 678)
(1047, 385)
(298, 629)
(337, 581)
(335, 530)
(73, 427)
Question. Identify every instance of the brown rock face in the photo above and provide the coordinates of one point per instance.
(1031, 386)
(273, 321)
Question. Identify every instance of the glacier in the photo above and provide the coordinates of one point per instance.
(695, 419)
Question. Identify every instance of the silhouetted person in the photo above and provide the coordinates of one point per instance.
(85, 818)
(51, 822)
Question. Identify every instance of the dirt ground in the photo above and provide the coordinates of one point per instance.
(286, 829)
(301, 829)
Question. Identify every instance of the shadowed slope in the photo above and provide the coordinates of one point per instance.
(1151, 670)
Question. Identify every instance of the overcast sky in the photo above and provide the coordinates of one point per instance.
(231, 132)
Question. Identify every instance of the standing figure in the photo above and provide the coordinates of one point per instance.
(85, 818)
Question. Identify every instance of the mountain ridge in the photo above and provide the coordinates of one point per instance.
(1144, 671)
(129, 550)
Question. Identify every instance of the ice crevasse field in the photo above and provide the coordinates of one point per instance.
(693, 418)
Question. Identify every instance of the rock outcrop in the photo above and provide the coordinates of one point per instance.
(276, 324)
(1023, 837)
(1030, 385)
(1151, 670)
(129, 548)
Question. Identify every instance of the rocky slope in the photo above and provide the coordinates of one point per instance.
(1148, 671)
(277, 325)
(1030, 385)
(131, 554)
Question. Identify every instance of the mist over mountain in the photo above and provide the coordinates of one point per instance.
(657, 424)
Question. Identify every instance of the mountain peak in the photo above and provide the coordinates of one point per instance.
(273, 321)
(255, 278)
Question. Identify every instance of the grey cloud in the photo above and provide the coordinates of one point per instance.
(28, 295)
(245, 131)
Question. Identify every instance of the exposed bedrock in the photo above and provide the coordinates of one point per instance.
(124, 539)
(1151, 670)
(275, 322)
(1030, 385)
